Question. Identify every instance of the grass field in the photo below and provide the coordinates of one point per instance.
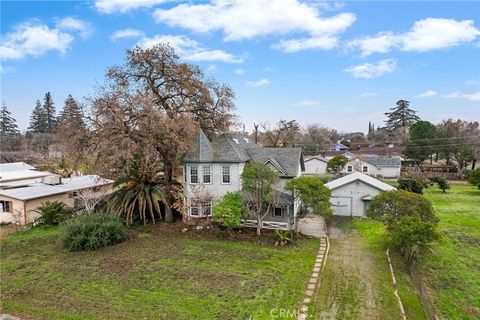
(451, 271)
(155, 275)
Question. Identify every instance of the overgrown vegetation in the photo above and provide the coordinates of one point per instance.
(409, 218)
(411, 184)
(474, 177)
(53, 213)
(229, 211)
(312, 193)
(441, 182)
(92, 231)
(336, 164)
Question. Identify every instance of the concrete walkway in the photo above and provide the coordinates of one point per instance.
(312, 225)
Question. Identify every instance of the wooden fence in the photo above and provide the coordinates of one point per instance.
(273, 225)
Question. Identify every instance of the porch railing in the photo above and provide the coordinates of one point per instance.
(273, 225)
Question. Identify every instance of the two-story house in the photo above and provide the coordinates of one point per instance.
(213, 168)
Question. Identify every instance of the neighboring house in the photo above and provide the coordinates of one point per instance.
(19, 199)
(316, 165)
(17, 171)
(213, 168)
(338, 147)
(352, 193)
(377, 166)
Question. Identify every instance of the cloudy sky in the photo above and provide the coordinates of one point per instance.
(339, 64)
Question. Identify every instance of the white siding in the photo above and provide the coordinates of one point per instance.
(315, 166)
(355, 191)
(358, 164)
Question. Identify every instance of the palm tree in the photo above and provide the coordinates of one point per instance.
(139, 192)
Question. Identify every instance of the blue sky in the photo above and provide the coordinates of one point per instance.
(338, 64)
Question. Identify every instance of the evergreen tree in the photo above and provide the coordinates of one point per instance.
(421, 143)
(7, 123)
(72, 114)
(50, 114)
(38, 123)
(401, 116)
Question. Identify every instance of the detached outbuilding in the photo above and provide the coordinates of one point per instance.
(352, 193)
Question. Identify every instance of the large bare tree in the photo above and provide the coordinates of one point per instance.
(153, 104)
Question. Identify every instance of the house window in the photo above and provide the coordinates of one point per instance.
(207, 174)
(194, 211)
(364, 169)
(5, 206)
(207, 208)
(349, 168)
(193, 174)
(278, 212)
(225, 174)
(73, 194)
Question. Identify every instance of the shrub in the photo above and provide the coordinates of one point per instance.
(312, 193)
(53, 213)
(91, 232)
(409, 218)
(336, 164)
(441, 182)
(229, 211)
(411, 184)
(473, 177)
(283, 237)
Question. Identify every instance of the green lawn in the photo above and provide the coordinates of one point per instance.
(155, 275)
(452, 270)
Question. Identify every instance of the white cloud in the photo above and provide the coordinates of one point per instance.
(472, 82)
(126, 34)
(239, 71)
(239, 20)
(258, 83)
(123, 6)
(425, 35)
(469, 96)
(427, 94)
(368, 94)
(74, 24)
(212, 68)
(33, 39)
(373, 70)
(190, 49)
(306, 103)
(294, 45)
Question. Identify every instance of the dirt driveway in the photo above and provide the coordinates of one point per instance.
(355, 283)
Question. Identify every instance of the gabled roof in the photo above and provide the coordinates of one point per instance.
(22, 175)
(380, 161)
(358, 176)
(237, 148)
(317, 158)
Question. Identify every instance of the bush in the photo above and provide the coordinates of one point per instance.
(92, 232)
(409, 218)
(336, 164)
(283, 237)
(473, 177)
(229, 211)
(441, 182)
(53, 213)
(312, 193)
(411, 184)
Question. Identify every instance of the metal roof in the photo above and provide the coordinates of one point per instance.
(358, 176)
(14, 166)
(41, 190)
(22, 175)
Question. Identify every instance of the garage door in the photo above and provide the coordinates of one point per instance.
(341, 206)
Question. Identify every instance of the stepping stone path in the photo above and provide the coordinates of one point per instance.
(314, 281)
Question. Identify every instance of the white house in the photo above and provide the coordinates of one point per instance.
(338, 147)
(316, 165)
(351, 193)
(213, 168)
(17, 171)
(377, 166)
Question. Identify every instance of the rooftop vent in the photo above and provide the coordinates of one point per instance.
(52, 180)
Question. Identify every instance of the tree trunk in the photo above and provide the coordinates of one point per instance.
(168, 174)
(474, 162)
(259, 226)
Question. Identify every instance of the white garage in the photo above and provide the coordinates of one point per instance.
(351, 193)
